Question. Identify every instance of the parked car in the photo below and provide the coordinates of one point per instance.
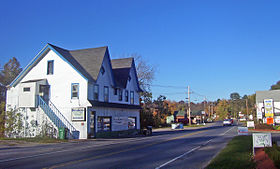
(228, 122)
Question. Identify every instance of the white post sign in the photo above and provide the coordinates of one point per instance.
(262, 140)
(250, 124)
(242, 130)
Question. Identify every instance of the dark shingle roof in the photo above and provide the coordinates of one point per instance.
(87, 61)
(121, 69)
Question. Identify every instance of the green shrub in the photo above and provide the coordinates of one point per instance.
(264, 126)
(274, 154)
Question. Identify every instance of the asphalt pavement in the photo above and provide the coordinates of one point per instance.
(189, 148)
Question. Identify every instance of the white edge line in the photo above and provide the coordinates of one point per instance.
(176, 158)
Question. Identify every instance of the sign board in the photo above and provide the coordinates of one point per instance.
(262, 140)
(121, 121)
(242, 130)
(202, 112)
(269, 120)
(250, 124)
(268, 107)
(277, 119)
(260, 111)
(78, 114)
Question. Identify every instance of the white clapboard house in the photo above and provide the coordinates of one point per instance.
(82, 90)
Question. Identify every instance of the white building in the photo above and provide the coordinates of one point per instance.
(272, 97)
(81, 90)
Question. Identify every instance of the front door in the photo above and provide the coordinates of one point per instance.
(92, 124)
(44, 92)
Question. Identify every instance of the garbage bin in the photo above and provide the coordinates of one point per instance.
(149, 130)
(61, 133)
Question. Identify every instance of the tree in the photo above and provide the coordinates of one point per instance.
(234, 96)
(223, 109)
(10, 71)
(276, 86)
(145, 72)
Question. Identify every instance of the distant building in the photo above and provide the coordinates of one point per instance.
(268, 105)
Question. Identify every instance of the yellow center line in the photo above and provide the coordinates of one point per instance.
(118, 152)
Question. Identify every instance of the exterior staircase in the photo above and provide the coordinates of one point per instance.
(57, 117)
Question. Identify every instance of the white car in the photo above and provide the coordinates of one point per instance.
(228, 122)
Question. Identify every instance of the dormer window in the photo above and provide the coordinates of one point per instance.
(102, 70)
(129, 78)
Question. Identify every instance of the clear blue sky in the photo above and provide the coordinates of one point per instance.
(217, 47)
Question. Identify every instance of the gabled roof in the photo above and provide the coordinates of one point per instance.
(121, 69)
(87, 61)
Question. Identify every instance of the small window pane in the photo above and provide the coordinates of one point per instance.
(50, 67)
(120, 94)
(103, 123)
(126, 96)
(96, 92)
(26, 89)
(131, 97)
(106, 93)
(131, 122)
(75, 91)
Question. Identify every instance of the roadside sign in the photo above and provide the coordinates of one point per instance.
(268, 107)
(262, 140)
(242, 130)
(269, 120)
(250, 124)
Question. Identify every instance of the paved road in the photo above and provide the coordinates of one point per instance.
(190, 148)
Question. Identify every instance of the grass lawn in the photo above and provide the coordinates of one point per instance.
(237, 154)
(34, 140)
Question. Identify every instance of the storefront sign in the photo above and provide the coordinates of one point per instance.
(262, 140)
(268, 107)
(250, 124)
(242, 130)
(122, 121)
(78, 114)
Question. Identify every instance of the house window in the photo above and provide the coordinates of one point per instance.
(95, 92)
(120, 94)
(50, 67)
(126, 96)
(131, 97)
(131, 122)
(115, 91)
(129, 78)
(106, 93)
(103, 123)
(26, 89)
(75, 91)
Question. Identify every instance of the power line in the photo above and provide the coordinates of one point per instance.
(168, 86)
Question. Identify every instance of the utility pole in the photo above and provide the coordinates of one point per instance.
(189, 110)
(247, 108)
